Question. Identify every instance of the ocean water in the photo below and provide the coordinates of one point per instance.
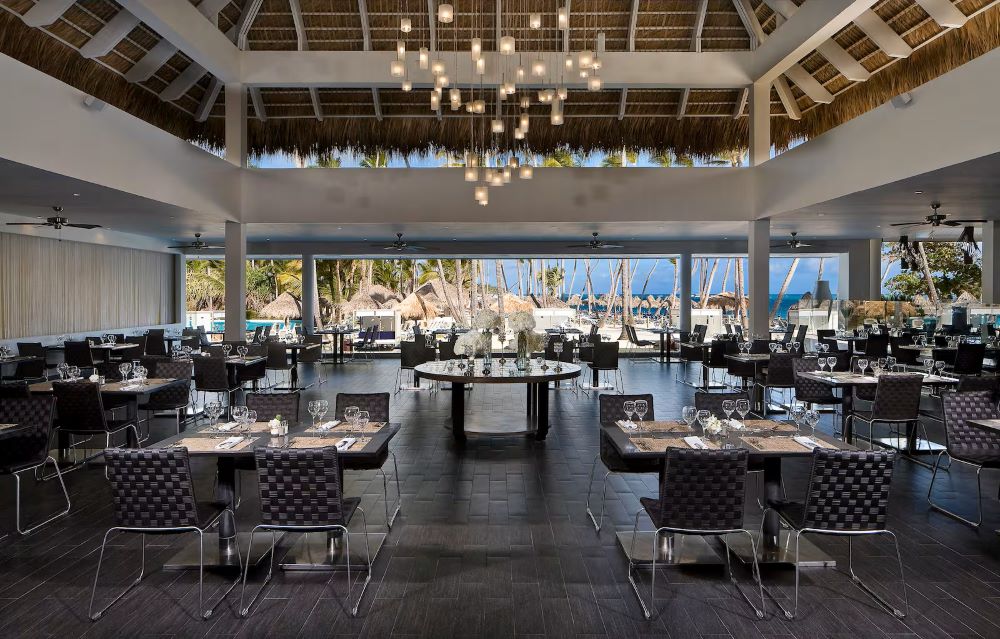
(786, 302)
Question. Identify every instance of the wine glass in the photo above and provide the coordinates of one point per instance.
(74, 372)
(832, 363)
(773, 346)
(629, 407)
(557, 347)
(361, 421)
(641, 408)
(703, 417)
(313, 407)
(890, 363)
(248, 419)
(226, 348)
(797, 411)
(689, 414)
(728, 406)
(123, 370)
(742, 409)
(796, 346)
(63, 370)
(821, 362)
(238, 413)
(242, 351)
(929, 364)
(863, 365)
(212, 411)
(940, 366)
(324, 406)
(811, 418)
(351, 414)
(788, 347)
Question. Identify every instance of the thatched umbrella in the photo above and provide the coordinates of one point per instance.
(417, 307)
(722, 300)
(512, 304)
(575, 300)
(361, 301)
(382, 294)
(284, 307)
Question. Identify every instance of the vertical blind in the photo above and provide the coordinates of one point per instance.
(48, 287)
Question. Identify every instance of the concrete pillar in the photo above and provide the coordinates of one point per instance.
(180, 289)
(310, 295)
(991, 262)
(236, 124)
(684, 264)
(760, 123)
(236, 281)
(875, 269)
(759, 276)
(860, 273)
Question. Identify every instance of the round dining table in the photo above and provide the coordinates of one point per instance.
(536, 379)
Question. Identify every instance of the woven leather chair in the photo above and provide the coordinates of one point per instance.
(212, 376)
(253, 373)
(905, 357)
(640, 345)
(809, 391)
(301, 491)
(28, 449)
(258, 334)
(877, 345)
(712, 402)
(78, 354)
(82, 413)
(270, 405)
(896, 401)
(931, 406)
(715, 357)
(610, 412)
(277, 360)
(967, 444)
(847, 495)
(800, 337)
(829, 337)
(155, 344)
(33, 371)
(968, 359)
(779, 375)
(153, 493)
(411, 355)
(140, 346)
(377, 405)
(701, 493)
(175, 397)
(10, 390)
(605, 360)
(692, 354)
(446, 349)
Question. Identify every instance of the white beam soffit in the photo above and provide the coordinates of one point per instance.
(181, 24)
(801, 34)
(45, 12)
(113, 32)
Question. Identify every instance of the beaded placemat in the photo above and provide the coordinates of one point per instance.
(323, 442)
(343, 427)
(771, 426)
(659, 445)
(257, 428)
(656, 427)
(210, 444)
(781, 444)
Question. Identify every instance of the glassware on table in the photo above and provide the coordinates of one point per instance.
(796, 346)
(361, 421)
(63, 370)
(772, 346)
(238, 413)
(797, 411)
(351, 415)
(811, 419)
(689, 414)
(324, 407)
(890, 363)
(832, 363)
(939, 365)
(743, 409)
(641, 408)
(728, 406)
(242, 351)
(249, 419)
(74, 372)
(821, 362)
(557, 347)
(628, 407)
(313, 408)
(788, 347)
(863, 365)
(212, 411)
(823, 348)
(929, 364)
(703, 417)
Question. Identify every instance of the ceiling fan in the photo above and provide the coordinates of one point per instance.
(56, 221)
(197, 245)
(399, 245)
(794, 242)
(596, 244)
(936, 219)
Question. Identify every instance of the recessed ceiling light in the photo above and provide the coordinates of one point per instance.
(76, 195)
(822, 214)
(918, 192)
(340, 228)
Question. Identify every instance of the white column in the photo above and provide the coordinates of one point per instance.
(685, 266)
(180, 289)
(760, 123)
(758, 282)
(310, 295)
(860, 274)
(236, 124)
(991, 263)
(236, 281)
(875, 269)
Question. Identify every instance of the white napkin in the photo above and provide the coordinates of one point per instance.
(696, 443)
(734, 424)
(328, 426)
(626, 425)
(131, 387)
(808, 442)
(346, 443)
(228, 443)
(226, 427)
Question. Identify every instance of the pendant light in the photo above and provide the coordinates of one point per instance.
(568, 63)
(397, 68)
(400, 49)
(518, 134)
(441, 81)
(455, 97)
(585, 58)
(524, 122)
(525, 102)
(556, 114)
(538, 68)
(562, 18)
(479, 106)
(507, 46)
(594, 83)
(405, 25)
(446, 13)
(535, 21)
(476, 48)
(424, 57)
(471, 174)
(437, 67)
(481, 193)
(508, 88)
(481, 66)
(435, 100)
(506, 175)
(407, 86)
(496, 126)
(526, 172)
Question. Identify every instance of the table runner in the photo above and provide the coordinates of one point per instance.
(659, 445)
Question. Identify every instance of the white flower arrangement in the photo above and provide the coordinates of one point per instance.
(713, 426)
(487, 320)
(521, 321)
(479, 342)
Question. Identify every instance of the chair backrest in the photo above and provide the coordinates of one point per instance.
(699, 332)
(903, 355)
(152, 487)
(969, 359)
(738, 328)
(715, 357)
(897, 397)
(190, 341)
(780, 371)
(140, 342)
(417, 331)
(175, 369)
(277, 356)
(155, 345)
(787, 337)
(78, 354)
(32, 444)
(411, 354)
(806, 388)
(267, 332)
(172, 395)
(941, 340)
(80, 406)
(958, 408)
(32, 369)
(446, 349)
(257, 334)
(760, 347)
(729, 328)
(712, 402)
(703, 490)
(300, 487)
(377, 405)
(215, 350)
(14, 389)
(152, 362)
(311, 355)
(270, 405)
(800, 334)
(877, 345)
(605, 355)
(848, 490)
(203, 338)
(972, 383)
(210, 374)
(825, 332)
(611, 407)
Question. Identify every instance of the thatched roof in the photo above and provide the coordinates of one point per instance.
(435, 289)
(575, 300)
(285, 306)
(726, 300)
(382, 294)
(361, 301)
(417, 307)
(511, 304)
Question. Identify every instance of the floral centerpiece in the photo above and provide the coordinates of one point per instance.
(522, 324)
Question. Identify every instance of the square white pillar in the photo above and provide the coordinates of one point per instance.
(875, 269)
(759, 267)
(180, 289)
(310, 294)
(860, 276)
(236, 282)
(991, 263)
(236, 124)
(760, 123)
(684, 264)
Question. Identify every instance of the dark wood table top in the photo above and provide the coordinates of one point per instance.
(236, 360)
(750, 358)
(375, 448)
(18, 359)
(299, 346)
(841, 379)
(335, 331)
(506, 374)
(12, 430)
(118, 388)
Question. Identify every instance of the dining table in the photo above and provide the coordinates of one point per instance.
(768, 443)
(293, 349)
(664, 334)
(231, 447)
(847, 382)
(338, 334)
(706, 382)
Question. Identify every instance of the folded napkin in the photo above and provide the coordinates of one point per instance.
(226, 427)
(734, 424)
(229, 442)
(328, 426)
(808, 442)
(695, 443)
(132, 387)
(626, 425)
(346, 443)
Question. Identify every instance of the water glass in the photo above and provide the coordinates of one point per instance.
(728, 406)
(238, 413)
(313, 407)
(689, 414)
(832, 363)
(929, 364)
(939, 365)
(743, 408)
(641, 408)
(248, 419)
(821, 362)
(324, 406)
(811, 419)
(242, 351)
(797, 412)
(361, 421)
(351, 414)
(863, 365)
(629, 407)
(703, 417)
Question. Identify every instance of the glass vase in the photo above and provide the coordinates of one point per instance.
(522, 362)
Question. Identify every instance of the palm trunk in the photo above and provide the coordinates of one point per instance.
(819, 269)
(928, 277)
(520, 287)
(708, 284)
(626, 297)
(444, 290)
(615, 279)
(473, 288)
(572, 281)
(740, 296)
(501, 276)
(648, 276)
(784, 287)
(725, 275)
(460, 282)
(590, 285)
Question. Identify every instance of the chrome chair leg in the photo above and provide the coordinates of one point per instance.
(756, 574)
(93, 593)
(244, 611)
(631, 579)
(871, 593)
(17, 499)
(239, 558)
(979, 493)
(368, 556)
(399, 494)
(590, 484)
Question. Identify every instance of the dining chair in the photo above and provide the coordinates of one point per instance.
(270, 405)
(605, 362)
(810, 391)
(701, 493)
(611, 410)
(277, 360)
(847, 495)
(28, 450)
(968, 359)
(79, 354)
(896, 401)
(377, 405)
(968, 445)
(253, 373)
(211, 375)
(301, 491)
(779, 375)
(712, 402)
(32, 371)
(411, 355)
(155, 344)
(153, 494)
(639, 346)
(82, 414)
(174, 397)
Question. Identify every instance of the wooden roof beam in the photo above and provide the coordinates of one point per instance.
(944, 13)
(632, 21)
(151, 62)
(113, 32)
(317, 106)
(787, 98)
(183, 83)
(749, 20)
(377, 103)
(242, 27)
(884, 36)
(683, 105)
(211, 9)
(835, 54)
(300, 30)
(621, 104)
(741, 102)
(809, 84)
(45, 12)
(258, 104)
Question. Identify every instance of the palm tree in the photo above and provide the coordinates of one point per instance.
(620, 159)
(732, 157)
(379, 160)
(666, 158)
(784, 287)
(560, 158)
(326, 162)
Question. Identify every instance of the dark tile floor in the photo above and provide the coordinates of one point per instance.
(493, 541)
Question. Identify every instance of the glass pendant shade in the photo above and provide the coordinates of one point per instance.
(585, 58)
(562, 92)
(407, 86)
(400, 49)
(519, 73)
(479, 106)
(437, 67)
(476, 48)
(506, 175)
(596, 64)
(496, 126)
(435, 100)
(584, 73)
(518, 134)
(455, 97)
(481, 193)
(568, 62)
(481, 66)
(397, 68)
(446, 13)
(513, 162)
(509, 88)
(471, 160)
(543, 96)
(526, 172)
(424, 57)
(507, 46)
(405, 25)
(538, 68)
(524, 122)
(594, 83)
(496, 178)
(563, 18)
(556, 115)
(471, 174)
(535, 21)
(525, 102)
(441, 81)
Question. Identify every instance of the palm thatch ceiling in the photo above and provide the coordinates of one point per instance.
(143, 74)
